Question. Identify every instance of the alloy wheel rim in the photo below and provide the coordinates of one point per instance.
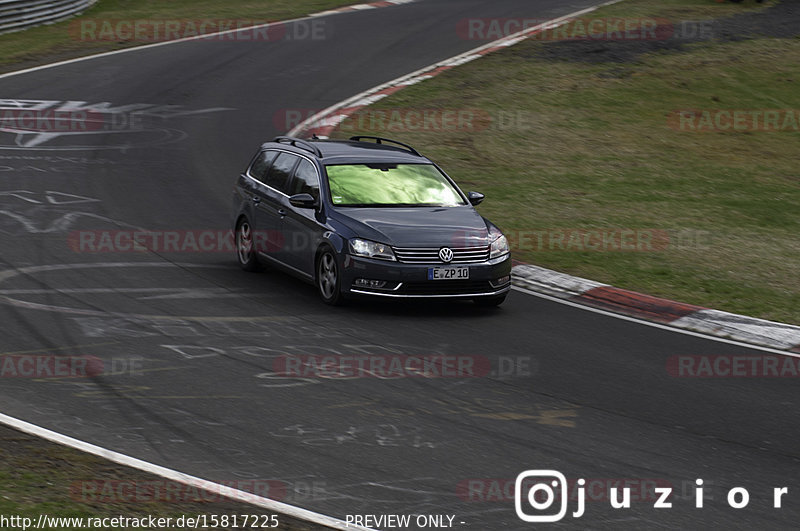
(327, 276)
(245, 246)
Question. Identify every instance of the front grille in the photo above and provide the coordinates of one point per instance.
(446, 287)
(430, 255)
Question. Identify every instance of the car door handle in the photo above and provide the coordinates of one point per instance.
(256, 199)
(282, 212)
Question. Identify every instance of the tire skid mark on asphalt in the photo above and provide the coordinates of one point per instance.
(24, 271)
(382, 435)
(31, 125)
(561, 417)
(67, 347)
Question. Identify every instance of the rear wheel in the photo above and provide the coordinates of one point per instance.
(245, 250)
(328, 278)
(489, 302)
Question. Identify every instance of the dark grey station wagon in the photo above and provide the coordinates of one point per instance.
(366, 217)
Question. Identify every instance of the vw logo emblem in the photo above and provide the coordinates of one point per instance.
(446, 255)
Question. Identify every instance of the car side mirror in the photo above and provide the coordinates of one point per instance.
(475, 198)
(303, 201)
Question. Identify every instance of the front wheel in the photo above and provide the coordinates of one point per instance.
(245, 250)
(328, 279)
(490, 302)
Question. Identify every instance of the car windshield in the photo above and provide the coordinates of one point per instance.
(390, 185)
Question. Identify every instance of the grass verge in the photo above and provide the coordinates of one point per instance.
(581, 139)
(42, 478)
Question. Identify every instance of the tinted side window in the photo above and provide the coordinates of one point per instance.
(278, 175)
(261, 164)
(306, 180)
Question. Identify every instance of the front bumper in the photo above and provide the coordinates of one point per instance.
(403, 280)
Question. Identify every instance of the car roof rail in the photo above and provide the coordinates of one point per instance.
(299, 143)
(381, 140)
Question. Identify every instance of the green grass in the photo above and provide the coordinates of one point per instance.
(44, 44)
(41, 478)
(594, 151)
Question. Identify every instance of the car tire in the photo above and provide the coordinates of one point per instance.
(490, 302)
(245, 250)
(328, 279)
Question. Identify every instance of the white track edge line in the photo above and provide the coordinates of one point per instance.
(179, 477)
(206, 36)
(654, 324)
(144, 47)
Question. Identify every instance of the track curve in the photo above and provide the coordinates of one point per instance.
(194, 340)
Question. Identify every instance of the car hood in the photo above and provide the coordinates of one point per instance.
(418, 226)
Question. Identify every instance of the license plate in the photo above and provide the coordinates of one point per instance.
(448, 273)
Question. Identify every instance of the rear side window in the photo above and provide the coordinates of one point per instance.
(305, 180)
(258, 170)
(279, 172)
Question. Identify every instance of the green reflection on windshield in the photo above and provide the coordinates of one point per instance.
(390, 184)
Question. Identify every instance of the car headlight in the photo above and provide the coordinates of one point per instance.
(369, 249)
(499, 243)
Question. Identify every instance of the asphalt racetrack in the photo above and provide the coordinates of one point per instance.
(189, 342)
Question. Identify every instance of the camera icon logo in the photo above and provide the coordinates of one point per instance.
(535, 493)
